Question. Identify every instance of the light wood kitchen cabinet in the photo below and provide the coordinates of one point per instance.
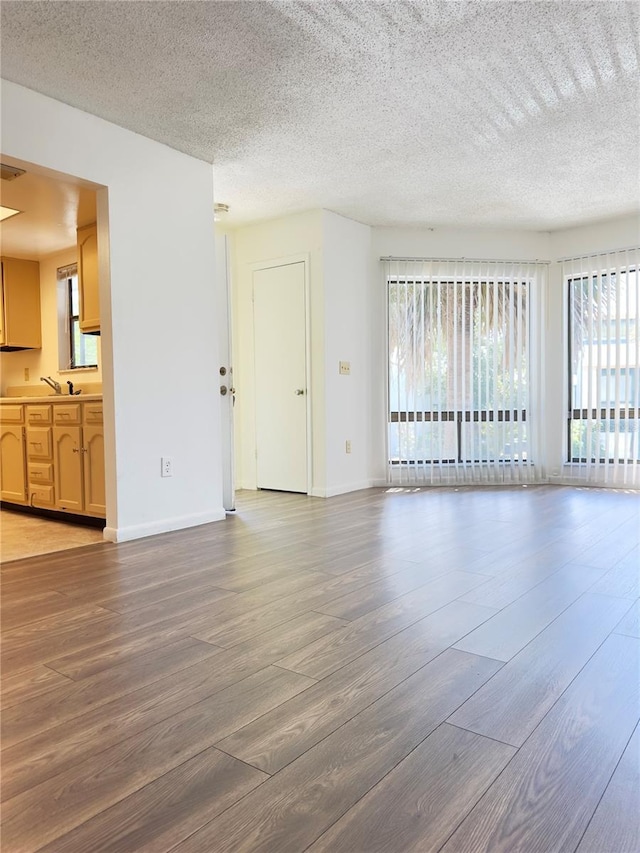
(88, 287)
(78, 439)
(52, 456)
(13, 469)
(93, 470)
(20, 326)
(93, 459)
(67, 467)
(40, 456)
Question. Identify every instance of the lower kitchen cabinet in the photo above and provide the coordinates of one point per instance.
(67, 467)
(52, 456)
(40, 455)
(78, 464)
(13, 476)
(93, 470)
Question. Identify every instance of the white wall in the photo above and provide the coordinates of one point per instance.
(348, 306)
(339, 255)
(267, 241)
(620, 233)
(348, 323)
(44, 361)
(159, 342)
(461, 242)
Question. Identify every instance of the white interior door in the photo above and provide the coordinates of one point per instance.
(280, 377)
(226, 371)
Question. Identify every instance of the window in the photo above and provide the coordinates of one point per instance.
(459, 378)
(604, 360)
(80, 350)
(620, 383)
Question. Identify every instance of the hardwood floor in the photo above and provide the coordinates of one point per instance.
(451, 670)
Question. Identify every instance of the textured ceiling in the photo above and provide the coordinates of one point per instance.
(518, 114)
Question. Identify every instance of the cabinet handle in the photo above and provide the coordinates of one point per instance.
(76, 450)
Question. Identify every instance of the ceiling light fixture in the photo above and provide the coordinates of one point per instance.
(8, 173)
(7, 212)
(220, 211)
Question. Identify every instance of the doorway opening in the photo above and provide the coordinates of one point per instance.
(52, 457)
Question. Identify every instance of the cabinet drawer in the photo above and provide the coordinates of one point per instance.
(38, 414)
(92, 413)
(41, 495)
(39, 445)
(67, 414)
(40, 472)
(10, 414)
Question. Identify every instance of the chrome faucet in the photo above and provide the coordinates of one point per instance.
(52, 384)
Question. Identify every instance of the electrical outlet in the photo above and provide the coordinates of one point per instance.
(344, 368)
(26, 374)
(166, 463)
(347, 446)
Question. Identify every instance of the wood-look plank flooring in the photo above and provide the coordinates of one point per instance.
(451, 670)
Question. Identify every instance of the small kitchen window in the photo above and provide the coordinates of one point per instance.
(76, 350)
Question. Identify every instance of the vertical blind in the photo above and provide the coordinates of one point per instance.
(65, 273)
(603, 368)
(461, 389)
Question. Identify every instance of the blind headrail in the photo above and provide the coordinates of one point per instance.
(390, 258)
(598, 254)
(67, 271)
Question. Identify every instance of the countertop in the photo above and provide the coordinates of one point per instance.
(43, 399)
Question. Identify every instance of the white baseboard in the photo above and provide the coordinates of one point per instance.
(164, 525)
(341, 490)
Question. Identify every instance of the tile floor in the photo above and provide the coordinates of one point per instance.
(23, 535)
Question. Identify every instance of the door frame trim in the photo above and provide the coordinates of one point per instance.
(305, 259)
(224, 298)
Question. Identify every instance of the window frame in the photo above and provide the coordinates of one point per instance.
(458, 415)
(68, 356)
(603, 412)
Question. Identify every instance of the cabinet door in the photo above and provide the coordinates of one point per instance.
(21, 302)
(88, 279)
(67, 466)
(93, 445)
(3, 331)
(13, 476)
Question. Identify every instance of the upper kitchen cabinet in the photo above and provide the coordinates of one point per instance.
(88, 279)
(20, 305)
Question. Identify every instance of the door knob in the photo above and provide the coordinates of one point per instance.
(299, 392)
(223, 390)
